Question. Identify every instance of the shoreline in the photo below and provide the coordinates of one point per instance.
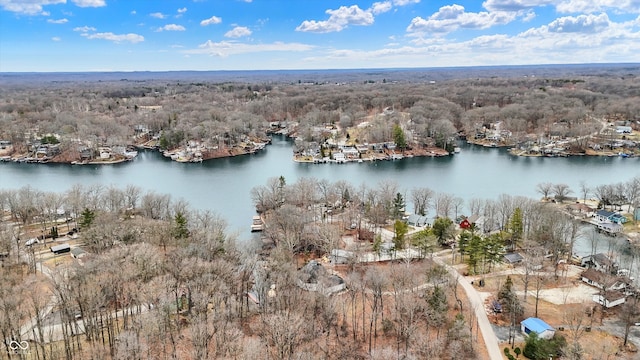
(386, 156)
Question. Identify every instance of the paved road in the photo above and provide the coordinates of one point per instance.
(489, 336)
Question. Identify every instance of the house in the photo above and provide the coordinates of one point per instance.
(350, 152)
(610, 298)
(610, 216)
(339, 157)
(538, 326)
(610, 228)
(600, 262)
(417, 220)
(618, 218)
(473, 221)
(603, 215)
(605, 281)
(624, 130)
(580, 208)
(59, 249)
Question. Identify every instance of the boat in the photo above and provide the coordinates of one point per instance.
(456, 150)
(257, 224)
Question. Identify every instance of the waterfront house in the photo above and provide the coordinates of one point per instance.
(603, 215)
(350, 152)
(599, 262)
(617, 218)
(610, 228)
(610, 298)
(339, 157)
(538, 326)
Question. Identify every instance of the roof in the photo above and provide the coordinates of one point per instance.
(59, 247)
(513, 258)
(536, 325)
(473, 218)
(593, 275)
(605, 213)
(599, 258)
(78, 251)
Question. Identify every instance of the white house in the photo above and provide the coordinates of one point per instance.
(610, 298)
(339, 157)
(600, 262)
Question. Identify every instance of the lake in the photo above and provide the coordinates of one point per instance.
(224, 185)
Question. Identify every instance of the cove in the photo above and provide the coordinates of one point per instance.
(224, 185)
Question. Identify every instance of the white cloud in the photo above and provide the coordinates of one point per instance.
(590, 6)
(132, 38)
(182, 10)
(133, 12)
(582, 23)
(514, 5)
(89, 3)
(528, 16)
(227, 48)
(404, 2)
(28, 7)
(211, 20)
(452, 17)
(338, 20)
(56, 39)
(84, 29)
(172, 27)
(158, 15)
(381, 7)
(59, 21)
(238, 31)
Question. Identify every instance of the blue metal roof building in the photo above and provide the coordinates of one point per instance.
(537, 326)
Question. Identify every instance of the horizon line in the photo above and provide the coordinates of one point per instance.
(327, 69)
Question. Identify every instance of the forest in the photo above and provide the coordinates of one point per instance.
(548, 102)
(158, 280)
(148, 277)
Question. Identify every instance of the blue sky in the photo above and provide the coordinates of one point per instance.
(158, 35)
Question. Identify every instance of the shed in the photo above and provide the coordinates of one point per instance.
(538, 326)
(513, 258)
(59, 249)
(78, 252)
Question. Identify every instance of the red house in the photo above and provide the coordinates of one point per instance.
(469, 222)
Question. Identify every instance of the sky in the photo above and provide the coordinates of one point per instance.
(171, 35)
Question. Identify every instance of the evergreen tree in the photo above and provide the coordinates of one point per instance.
(516, 228)
(86, 218)
(401, 229)
(398, 206)
(180, 230)
(443, 229)
(398, 137)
